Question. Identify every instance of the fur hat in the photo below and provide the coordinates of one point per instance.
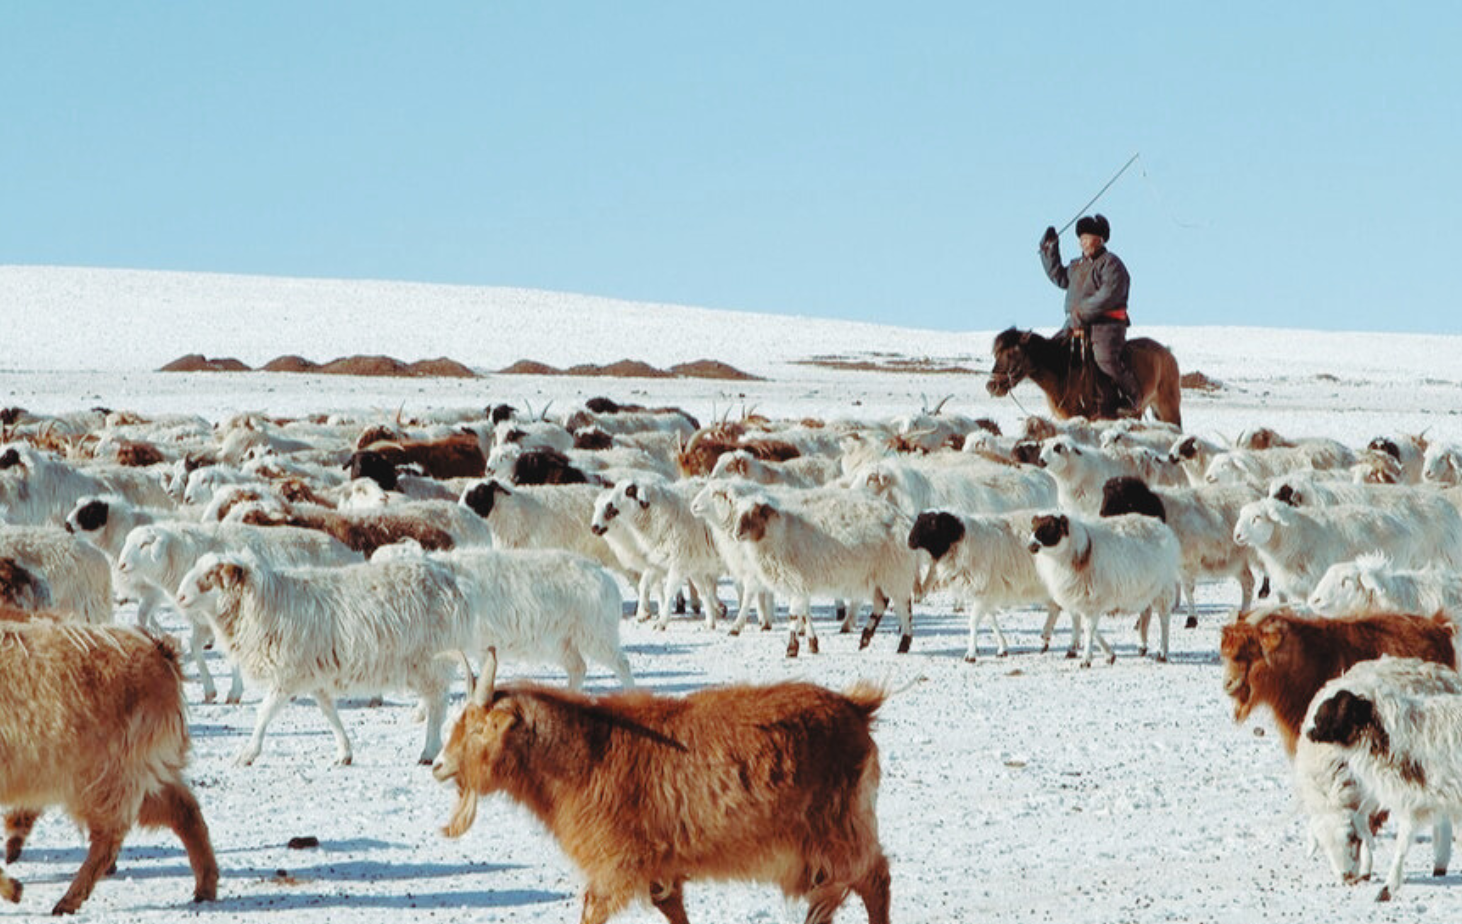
(1094, 224)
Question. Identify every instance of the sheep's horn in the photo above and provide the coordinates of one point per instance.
(482, 691)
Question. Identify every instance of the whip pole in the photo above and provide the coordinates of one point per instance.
(1083, 209)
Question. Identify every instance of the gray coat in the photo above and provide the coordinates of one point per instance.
(1093, 286)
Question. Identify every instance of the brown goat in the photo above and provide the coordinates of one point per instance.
(363, 531)
(771, 783)
(94, 722)
(456, 456)
(700, 454)
(138, 455)
(1281, 659)
(22, 589)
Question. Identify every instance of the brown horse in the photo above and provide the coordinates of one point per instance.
(1073, 384)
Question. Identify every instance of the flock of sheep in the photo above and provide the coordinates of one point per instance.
(327, 558)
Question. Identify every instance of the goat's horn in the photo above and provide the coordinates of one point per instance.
(482, 692)
(940, 406)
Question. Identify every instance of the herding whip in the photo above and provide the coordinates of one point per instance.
(1129, 163)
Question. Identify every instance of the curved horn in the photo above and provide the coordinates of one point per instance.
(543, 415)
(482, 692)
(466, 669)
(940, 406)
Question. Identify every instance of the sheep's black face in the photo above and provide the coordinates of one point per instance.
(1127, 494)
(501, 412)
(376, 467)
(1288, 495)
(936, 532)
(91, 516)
(1187, 449)
(9, 458)
(600, 526)
(1381, 444)
(1027, 452)
(480, 497)
(1047, 531)
(1343, 719)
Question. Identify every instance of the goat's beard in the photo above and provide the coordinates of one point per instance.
(463, 815)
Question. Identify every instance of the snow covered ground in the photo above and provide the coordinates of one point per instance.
(1015, 789)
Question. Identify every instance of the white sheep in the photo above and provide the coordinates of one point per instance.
(331, 631)
(79, 574)
(540, 517)
(848, 544)
(1120, 564)
(1339, 809)
(715, 504)
(1296, 545)
(1404, 750)
(105, 521)
(1371, 584)
(1261, 465)
(970, 485)
(539, 604)
(671, 538)
(1081, 471)
(155, 557)
(986, 560)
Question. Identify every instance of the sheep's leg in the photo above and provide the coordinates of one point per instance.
(904, 609)
(197, 643)
(573, 663)
(326, 702)
(1405, 832)
(645, 588)
(175, 807)
(669, 900)
(1190, 587)
(146, 603)
(1246, 588)
(1441, 846)
(849, 615)
(766, 608)
(1053, 612)
(1163, 622)
(875, 616)
(808, 629)
(673, 579)
(972, 649)
(18, 825)
(1093, 633)
(269, 707)
(744, 593)
(1142, 623)
(993, 618)
(106, 843)
(235, 685)
(795, 611)
(434, 698)
(714, 608)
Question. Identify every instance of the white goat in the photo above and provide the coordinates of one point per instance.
(106, 520)
(1442, 464)
(986, 560)
(832, 541)
(1403, 749)
(332, 631)
(715, 504)
(671, 538)
(1371, 584)
(968, 486)
(1081, 471)
(79, 575)
(1296, 545)
(1339, 809)
(1121, 564)
(539, 604)
(155, 557)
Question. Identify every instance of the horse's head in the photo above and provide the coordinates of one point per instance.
(1012, 361)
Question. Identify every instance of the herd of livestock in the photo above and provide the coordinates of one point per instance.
(326, 557)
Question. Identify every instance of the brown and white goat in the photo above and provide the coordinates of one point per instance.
(459, 455)
(361, 531)
(93, 721)
(1280, 659)
(771, 783)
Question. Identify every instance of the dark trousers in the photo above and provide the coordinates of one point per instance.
(1107, 341)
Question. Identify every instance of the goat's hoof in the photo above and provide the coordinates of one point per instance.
(1086, 664)
(846, 629)
(1160, 658)
(1191, 622)
(734, 630)
(766, 627)
(904, 642)
(13, 847)
(209, 697)
(1045, 645)
(1439, 871)
(792, 648)
(1385, 894)
(1071, 653)
(969, 659)
(64, 907)
(1003, 653)
(343, 761)
(812, 644)
(13, 890)
(1111, 659)
(864, 639)
(1142, 652)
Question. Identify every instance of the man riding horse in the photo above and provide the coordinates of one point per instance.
(1096, 287)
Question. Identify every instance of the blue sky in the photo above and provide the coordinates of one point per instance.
(884, 162)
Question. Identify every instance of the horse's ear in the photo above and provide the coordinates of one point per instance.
(1025, 337)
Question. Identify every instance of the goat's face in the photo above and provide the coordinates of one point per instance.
(479, 498)
(1255, 526)
(1344, 718)
(88, 517)
(936, 531)
(1057, 455)
(604, 513)
(472, 759)
(1184, 450)
(209, 574)
(145, 549)
(1239, 649)
(1048, 532)
(1344, 590)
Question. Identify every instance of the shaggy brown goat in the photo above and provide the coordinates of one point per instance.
(362, 531)
(456, 456)
(1280, 659)
(771, 783)
(20, 588)
(94, 723)
(138, 455)
(700, 454)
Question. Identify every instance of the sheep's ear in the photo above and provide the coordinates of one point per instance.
(1368, 583)
(1271, 637)
(230, 575)
(1075, 450)
(632, 490)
